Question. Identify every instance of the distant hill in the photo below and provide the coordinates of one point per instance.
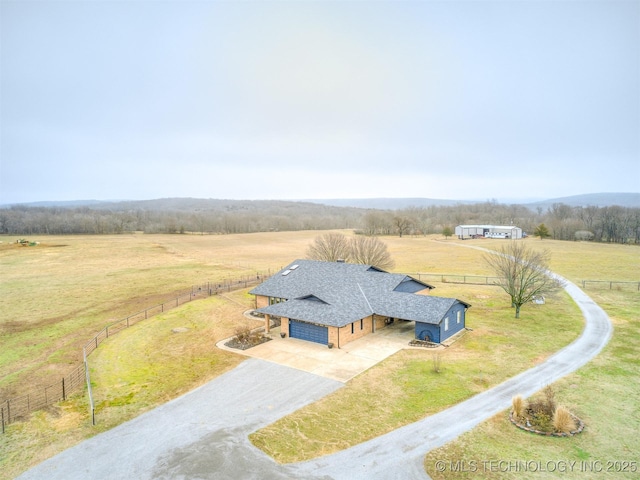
(595, 199)
(592, 199)
(390, 203)
(60, 203)
(209, 204)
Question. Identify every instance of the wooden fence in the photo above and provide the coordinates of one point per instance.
(39, 397)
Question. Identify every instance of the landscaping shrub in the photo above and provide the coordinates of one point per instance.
(563, 420)
(518, 407)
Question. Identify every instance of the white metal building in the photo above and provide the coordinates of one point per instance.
(488, 231)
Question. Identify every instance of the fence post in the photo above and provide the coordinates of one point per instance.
(90, 393)
(2, 418)
(64, 393)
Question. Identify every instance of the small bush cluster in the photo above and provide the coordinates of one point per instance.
(543, 414)
(246, 338)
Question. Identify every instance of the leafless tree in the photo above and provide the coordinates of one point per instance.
(402, 224)
(370, 251)
(523, 273)
(332, 247)
(329, 247)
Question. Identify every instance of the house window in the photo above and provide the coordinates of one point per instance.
(362, 324)
(352, 330)
(446, 324)
(458, 317)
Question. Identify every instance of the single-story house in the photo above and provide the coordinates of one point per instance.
(337, 302)
(488, 231)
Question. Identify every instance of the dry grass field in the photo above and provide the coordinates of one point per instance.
(57, 295)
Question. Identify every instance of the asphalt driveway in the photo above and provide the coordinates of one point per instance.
(201, 435)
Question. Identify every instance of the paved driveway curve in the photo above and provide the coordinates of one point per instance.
(203, 434)
(399, 454)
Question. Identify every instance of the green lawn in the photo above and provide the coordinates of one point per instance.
(405, 388)
(138, 369)
(604, 394)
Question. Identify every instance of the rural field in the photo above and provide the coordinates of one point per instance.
(57, 295)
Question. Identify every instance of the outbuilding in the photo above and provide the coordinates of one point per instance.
(464, 232)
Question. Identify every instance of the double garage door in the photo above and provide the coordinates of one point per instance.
(309, 332)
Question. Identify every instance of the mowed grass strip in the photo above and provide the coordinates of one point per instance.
(604, 394)
(405, 387)
(140, 368)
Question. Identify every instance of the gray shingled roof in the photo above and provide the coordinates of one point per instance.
(337, 294)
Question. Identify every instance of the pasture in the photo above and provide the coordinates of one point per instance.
(57, 295)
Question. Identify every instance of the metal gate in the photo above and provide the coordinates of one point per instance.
(309, 332)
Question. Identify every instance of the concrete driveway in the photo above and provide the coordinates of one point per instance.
(337, 364)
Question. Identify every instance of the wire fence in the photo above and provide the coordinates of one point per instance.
(611, 285)
(41, 396)
(450, 278)
(485, 280)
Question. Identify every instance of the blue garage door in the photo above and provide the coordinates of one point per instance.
(309, 332)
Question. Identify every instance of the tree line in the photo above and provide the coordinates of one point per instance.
(614, 224)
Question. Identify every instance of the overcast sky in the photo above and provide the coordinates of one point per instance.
(303, 99)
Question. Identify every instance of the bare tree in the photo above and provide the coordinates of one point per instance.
(370, 251)
(402, 224)
(329, 247)
(332, 247)
(523, 273)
